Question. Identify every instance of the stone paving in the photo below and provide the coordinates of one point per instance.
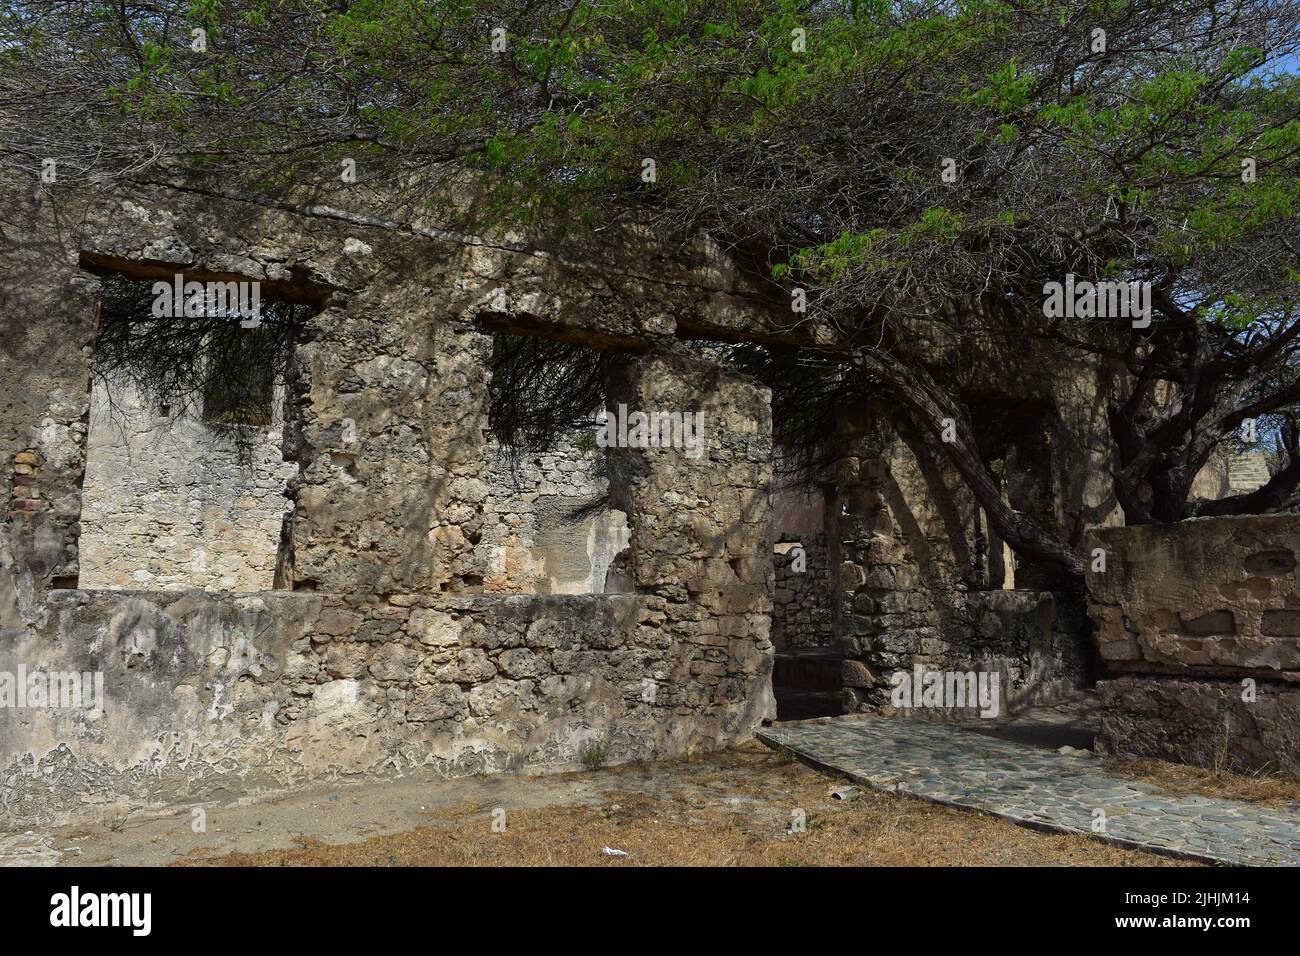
(1041, 788)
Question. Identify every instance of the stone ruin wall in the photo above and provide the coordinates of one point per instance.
(803, 603)
(913, 592)
(1198, 624)
(803, 615)
(169, 503)
(398, 642)
(395, 493)
(386, 651)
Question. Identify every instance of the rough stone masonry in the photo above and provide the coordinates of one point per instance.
(1199, 625)
(420, 608)
(382, 650)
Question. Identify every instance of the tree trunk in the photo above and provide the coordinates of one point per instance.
(931, 408)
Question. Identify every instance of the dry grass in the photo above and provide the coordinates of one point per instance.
(728, 809)
(1181, 780)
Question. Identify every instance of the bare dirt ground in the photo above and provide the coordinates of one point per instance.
(730, 808)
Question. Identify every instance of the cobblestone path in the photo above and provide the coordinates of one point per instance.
(1041, 788)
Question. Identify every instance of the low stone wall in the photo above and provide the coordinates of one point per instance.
(1030, 639)
(1202, 722)
(208, 694)
(1199, 625)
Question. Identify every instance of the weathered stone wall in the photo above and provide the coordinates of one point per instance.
(802, 612)
(208, 693)
(389, 653)
(702, 529)
(1211, 597)
(175, 504)
(47, 322)
(1199, 624)
(549, 529)
(1202, 722)
(911, 566)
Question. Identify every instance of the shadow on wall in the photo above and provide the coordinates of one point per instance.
(923, 585)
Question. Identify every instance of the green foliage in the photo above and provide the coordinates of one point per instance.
(835, 258)
(822, 162)
(594, 753)
(1239, 311)
(1005, 93)
(584, 91)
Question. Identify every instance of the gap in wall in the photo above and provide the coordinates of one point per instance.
(806, 671)
(185, 477)
(554, 525)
